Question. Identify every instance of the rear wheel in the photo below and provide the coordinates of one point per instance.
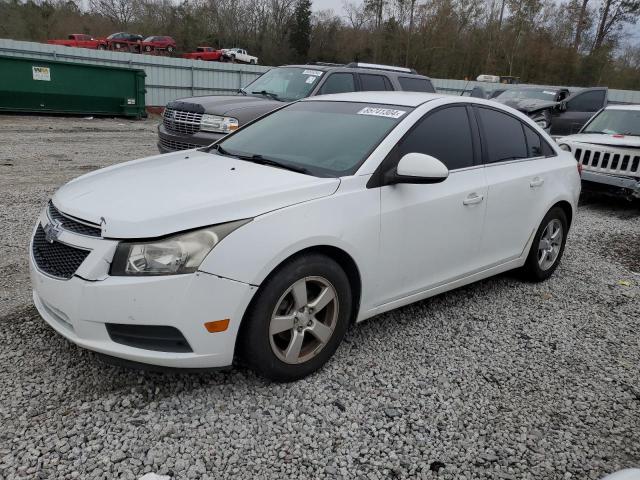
(547, 247)
(170, 49)
(297, 320)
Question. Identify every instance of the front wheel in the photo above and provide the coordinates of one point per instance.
(547, 247)
(170, 49)
(297, 320)
(252, 62)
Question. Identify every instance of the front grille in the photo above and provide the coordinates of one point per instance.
(181, 121)
(601, 159)
(72, 225)
(159, 338)
(168, 144)
(55, 258)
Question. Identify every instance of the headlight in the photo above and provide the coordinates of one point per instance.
(214, 123)
(565, 147)
(542, 122)
(182, 253)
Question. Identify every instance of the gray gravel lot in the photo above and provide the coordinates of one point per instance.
(498, 380)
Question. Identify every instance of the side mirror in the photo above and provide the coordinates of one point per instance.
(562, 106)
(417, 168)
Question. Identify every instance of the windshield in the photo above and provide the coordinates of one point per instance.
(326, 139)
(623, 122)
(527, 93)
(285, 84)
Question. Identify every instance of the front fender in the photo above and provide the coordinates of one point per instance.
(348, 220)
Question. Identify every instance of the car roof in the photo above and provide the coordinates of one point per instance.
(635, 108)
(325, 67)
(405, 99)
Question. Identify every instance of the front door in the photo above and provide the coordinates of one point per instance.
(579, 108)
(431, 233)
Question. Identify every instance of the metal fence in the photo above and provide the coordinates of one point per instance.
(167, 78)
(170, 78)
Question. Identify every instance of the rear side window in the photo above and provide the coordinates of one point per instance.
(536, 145)
(373, 83)
(587, 102)
(444, 134)
(409, 84)
(504, 136)
(339, 83)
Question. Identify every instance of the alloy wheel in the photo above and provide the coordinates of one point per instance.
(304, 320)
(550, 244)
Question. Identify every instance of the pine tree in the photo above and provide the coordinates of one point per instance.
(300, 36)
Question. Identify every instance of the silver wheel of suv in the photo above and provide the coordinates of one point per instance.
(304, 320)
(550, 244)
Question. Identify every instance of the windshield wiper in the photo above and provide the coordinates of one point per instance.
(259, 159)
(273, 96)
(242, 91)
(255, 158)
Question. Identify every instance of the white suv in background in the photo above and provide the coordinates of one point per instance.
(266, 245)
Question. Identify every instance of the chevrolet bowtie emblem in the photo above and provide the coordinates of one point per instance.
(52, 231)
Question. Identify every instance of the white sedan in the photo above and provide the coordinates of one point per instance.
(265, 246)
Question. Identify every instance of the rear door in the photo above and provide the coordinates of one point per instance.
(339, 82)
(519, 170)
(580, 108)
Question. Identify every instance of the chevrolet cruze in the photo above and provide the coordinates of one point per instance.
(265, 246)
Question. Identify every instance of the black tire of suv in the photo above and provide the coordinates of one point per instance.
(254, 344)
(531, 271)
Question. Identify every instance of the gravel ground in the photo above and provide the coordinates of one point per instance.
(498, 380)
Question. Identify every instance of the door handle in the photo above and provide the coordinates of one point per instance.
(472, 199)
(536, 182)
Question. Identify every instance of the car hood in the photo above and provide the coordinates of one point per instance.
(164, 194)
(628, 141)
(527, 105)
(228, 105)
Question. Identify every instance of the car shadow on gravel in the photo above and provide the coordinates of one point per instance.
(620, 207)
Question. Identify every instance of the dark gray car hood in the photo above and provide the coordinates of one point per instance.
(527, 105)
(243, 107)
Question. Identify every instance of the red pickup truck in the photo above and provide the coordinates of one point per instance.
(80, 40)
(205, 53)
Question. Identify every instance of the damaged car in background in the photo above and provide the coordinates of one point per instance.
(560, 111)
(608, 150)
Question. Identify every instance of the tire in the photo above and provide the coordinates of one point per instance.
(252, 62)
(169, 49)
(232, 59)
(268, 346)
(147, 48)
(117, 46)
(102, 47)
(539, 265)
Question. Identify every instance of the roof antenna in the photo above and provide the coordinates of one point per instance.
(465, 88)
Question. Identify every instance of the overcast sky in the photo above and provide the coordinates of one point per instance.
(335, 5)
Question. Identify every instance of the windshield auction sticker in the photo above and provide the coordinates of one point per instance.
(382, 112)
(315, 73)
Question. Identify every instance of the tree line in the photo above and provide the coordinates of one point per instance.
(559, 42)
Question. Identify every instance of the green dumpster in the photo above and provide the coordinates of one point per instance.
(48, 86)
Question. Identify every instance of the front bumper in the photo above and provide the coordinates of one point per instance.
(170, 141)
(79, 310)
(630, 185)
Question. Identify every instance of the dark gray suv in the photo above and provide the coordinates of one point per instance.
(200, 121)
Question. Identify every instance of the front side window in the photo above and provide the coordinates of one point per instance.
(444, 134)
(338, 83)
(586, 102)
(611, 122)
(286, 84)
(328, 139)
(504, 136)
